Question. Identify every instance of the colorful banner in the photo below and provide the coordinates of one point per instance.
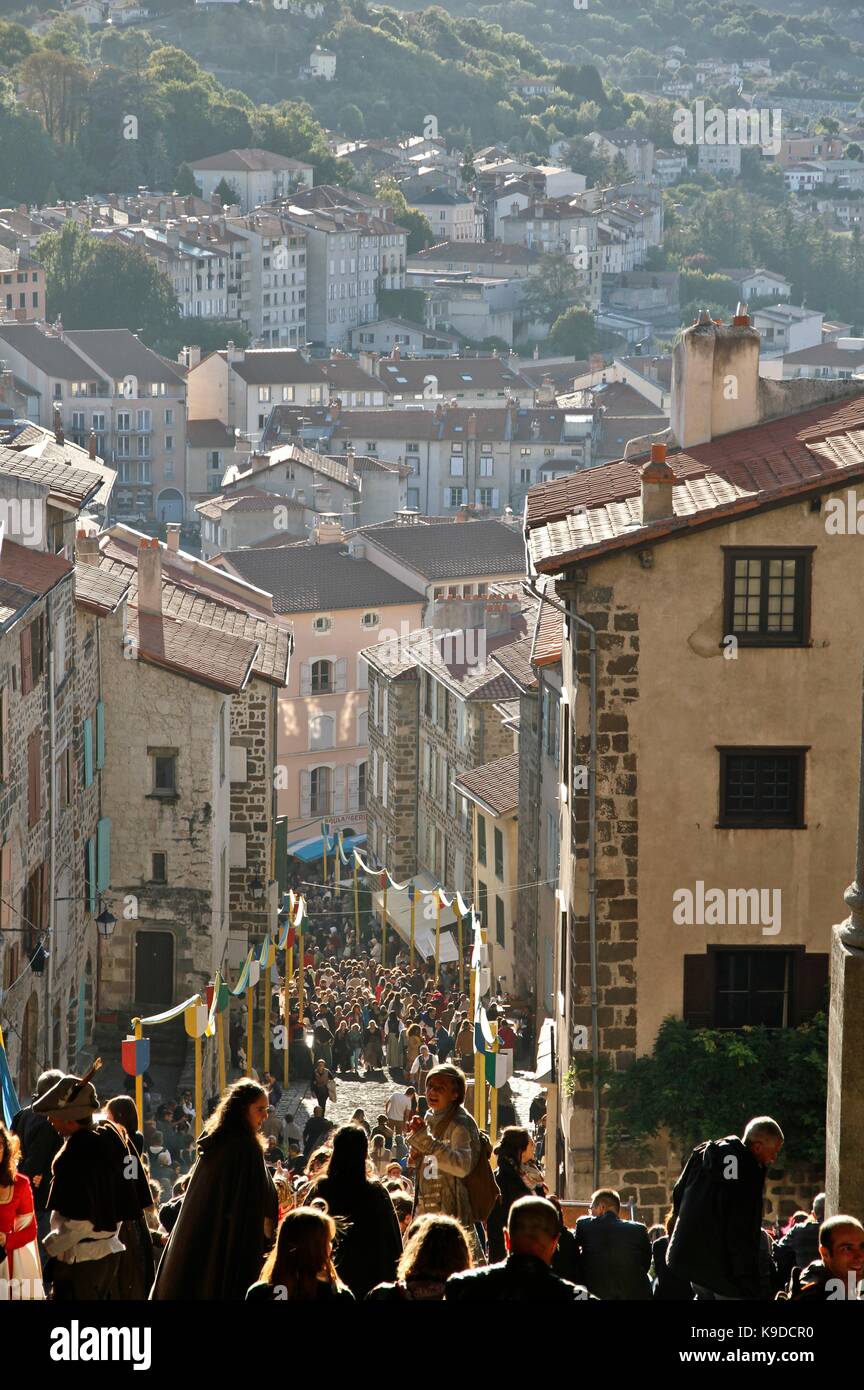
(11, 1104)
(135, 1055)
(177, 1010)
(197, 1019)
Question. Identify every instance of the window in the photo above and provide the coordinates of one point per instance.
(32, 654)
(487, 465)
(362, 777)
(553, 848)
(164, 772)
(752, 987)
(263, 395)
(767, 596)
(550, 724)
(499, 922)
(526, 475)
(287, 393)
(322, 677)
(322, 731)
(457, 466)
(320, 779)
(482, 903)
(481, 839)
(322, 624)
(762, 787)
(499, 854)
(487, 496)
(169, 416)
(455, 496)
(371, 619)
(159, 870)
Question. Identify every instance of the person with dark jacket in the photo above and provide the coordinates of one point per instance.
(800, 1246)
(526, 1275)
(668, 1286)
(370, 1241)
(615, 1255)
(717, 1203)
(315, 1130)
(514, 1179)
(40, 1143)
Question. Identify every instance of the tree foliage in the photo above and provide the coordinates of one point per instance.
(95, 283)
(551, 288)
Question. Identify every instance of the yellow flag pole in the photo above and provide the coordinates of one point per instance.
(324, 842)
(286, 1012)
(301, 972)
(356, 908)
(199, 1088)
(267, 1018)
(493, 1094)
(413, 897)
(220, 1042)
(461, 955)
(384, 926)
(437, 935)
(249, 1003)
(139, 1080)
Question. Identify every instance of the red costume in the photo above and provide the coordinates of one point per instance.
(20, 1204)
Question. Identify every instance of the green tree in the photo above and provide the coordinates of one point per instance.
(351, 121)
(416, 223)
(16, 44)
(228, 192)
(573, 333)
(185, 182)
(467, 170)
(94, 283)
(551, 288)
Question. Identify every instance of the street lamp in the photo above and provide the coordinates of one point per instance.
(256, 888)
(106, 922)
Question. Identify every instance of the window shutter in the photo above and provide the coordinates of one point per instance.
(698, 1006)
(26, 661)
(341, 681)
(477, 496)
(305, 793)
(88, 752)
(103, 854)
(384, 711)
(43, 896)
(34, 781)
(384, 773)
(362, 674)
(237, 763)
(60, 649)
(375, 772)
(100, 734)
(362, 727)
(237, 850)
(338, 791)
(91, 874)
(427, 766)
(495, 496)
(375, 704)
(353, 788)
(811, 985)
(305, 677)
(6, 887)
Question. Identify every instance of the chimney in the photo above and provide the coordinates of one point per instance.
(87, 548)
(150, 577)
(546, 392)
(59, 436)
(715, 379)
(91, 445)
(657, 481)
(396, 354)
(191, 356)
(471, 427)
(349, 461)
(173, 529)
(328, 529)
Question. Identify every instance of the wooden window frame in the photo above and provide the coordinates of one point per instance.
(803, 593)
(734, 821)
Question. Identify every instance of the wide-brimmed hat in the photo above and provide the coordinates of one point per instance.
(69, 1098)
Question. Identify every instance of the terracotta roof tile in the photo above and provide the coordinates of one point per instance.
(27, 568)
(219, 659)
(515, 660)
(495, 785)
(97, 588)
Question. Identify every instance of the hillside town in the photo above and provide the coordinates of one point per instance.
(431, 845)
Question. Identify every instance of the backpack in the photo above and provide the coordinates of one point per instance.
(480, 1183)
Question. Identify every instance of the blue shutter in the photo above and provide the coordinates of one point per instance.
(100, 734)
(88, 752)
(91, 876)
(103, 854)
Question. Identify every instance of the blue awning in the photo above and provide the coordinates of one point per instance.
(310, 851)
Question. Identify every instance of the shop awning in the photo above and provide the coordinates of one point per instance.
(545, 1072)
(399, 919)
(310, 851)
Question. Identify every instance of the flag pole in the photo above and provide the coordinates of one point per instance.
(411, 896)
(356, 908)
(250, 1000)
(139, 1079)
(461, 954)
(220, 1043)
(199, 1088)
(437, 934)
(267, 1015)
(384, 922)
(286, 1011)
(493, 1089)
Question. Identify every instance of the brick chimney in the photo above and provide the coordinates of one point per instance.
(150, 577)
(471, 427)
(328, 529)
(657, 481)
(86, 548)
(173, 529)
(715, 379)
(59, 436)
(349, 463)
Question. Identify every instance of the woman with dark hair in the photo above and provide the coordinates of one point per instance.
(228, 1217)
(370, 1242)
(19, 1255)
(395, 1044)
(300, 1266)
(373, 1052)
(436, 1248)
(137, 1267)
(516, 1177)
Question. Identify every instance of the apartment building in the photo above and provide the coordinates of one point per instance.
(335, 602)
(270, 277)
(199, 272)
(492, 793)
(557, 226)
(104, 382)
(259, 176)
(22, 286)
(452, 216)
(664, 567)
(240, 387)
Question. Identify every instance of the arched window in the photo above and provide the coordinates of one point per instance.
(322, 677)
(321, 783)
(361, 786)
(363, 727)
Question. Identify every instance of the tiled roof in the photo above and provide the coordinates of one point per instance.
(275, 366)
(827, 355)
(209, 434)
(494, 786)
(309, 578)
(192, 598)
(344, 374)
(247, 161)
(599, 509)
(453, 374)
(252, 499)
(220, 659)
(515, 661)
(548, 634)
(49, 353)
(36, 570)
(451, 550)
(75, 485)
(482, 251)
(13, 598)
(461, 660)
(98, 589)
(118, 353)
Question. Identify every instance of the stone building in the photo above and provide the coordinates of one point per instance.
(719, 591)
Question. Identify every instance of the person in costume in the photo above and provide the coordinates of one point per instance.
(20, 1269)
(228, 1217)
(97, 1184)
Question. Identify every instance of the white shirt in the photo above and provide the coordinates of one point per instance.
(73, 1242)
(398, 1106)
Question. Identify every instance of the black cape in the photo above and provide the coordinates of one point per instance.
(98, 1177)
(217, 1246)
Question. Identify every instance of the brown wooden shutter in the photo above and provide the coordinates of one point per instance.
(6, 887)
(34, 779)
(43, 896)
(26, 661)
(698, 1008)
(810, 984)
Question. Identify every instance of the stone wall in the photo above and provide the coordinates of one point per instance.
(252, 806)
(396, 823)
(527, 918)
